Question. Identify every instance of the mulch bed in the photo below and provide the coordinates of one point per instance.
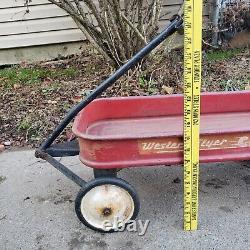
(29, 112)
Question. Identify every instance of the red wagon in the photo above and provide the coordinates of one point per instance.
(143, 131)
(116, 133)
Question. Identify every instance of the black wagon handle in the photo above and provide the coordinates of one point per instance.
(176, 23)
(47, 151)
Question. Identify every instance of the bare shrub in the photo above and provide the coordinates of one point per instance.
(116, 28)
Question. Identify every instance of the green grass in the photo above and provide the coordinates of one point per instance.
(24, 124)
(149, 86)
(220, 55)
(29, 76)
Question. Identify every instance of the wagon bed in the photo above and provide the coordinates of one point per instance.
(134, 131)
(149, 127)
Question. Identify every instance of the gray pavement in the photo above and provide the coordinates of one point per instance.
(37, 207)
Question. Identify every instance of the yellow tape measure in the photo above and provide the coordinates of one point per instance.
(192, 83)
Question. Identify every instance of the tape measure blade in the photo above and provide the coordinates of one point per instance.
(192, 83)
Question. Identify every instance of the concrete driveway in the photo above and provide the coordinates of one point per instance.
(37, 207)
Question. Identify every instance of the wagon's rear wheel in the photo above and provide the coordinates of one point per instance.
(105, 201)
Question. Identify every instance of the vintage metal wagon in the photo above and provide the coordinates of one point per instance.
(116, 133)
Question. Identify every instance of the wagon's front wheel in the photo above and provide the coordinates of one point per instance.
(106, 204)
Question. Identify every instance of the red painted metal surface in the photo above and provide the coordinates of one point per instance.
(143, 131)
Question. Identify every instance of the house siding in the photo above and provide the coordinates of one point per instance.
(46, 24)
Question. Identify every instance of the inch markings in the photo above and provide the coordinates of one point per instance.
(192, 85)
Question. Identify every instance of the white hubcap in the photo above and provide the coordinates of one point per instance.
(104, 205)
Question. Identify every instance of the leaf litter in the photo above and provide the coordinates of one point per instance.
(30, 110)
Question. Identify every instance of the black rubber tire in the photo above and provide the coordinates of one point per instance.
(99, 173)
(102, 181)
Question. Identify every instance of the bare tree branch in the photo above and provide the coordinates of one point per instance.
(142, 38)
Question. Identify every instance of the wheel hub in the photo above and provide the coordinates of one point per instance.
(107, 211)
(106, 205)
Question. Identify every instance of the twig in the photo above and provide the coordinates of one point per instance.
(142, 38)
(209, 44)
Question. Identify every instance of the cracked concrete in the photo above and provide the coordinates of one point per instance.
(37, 207)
